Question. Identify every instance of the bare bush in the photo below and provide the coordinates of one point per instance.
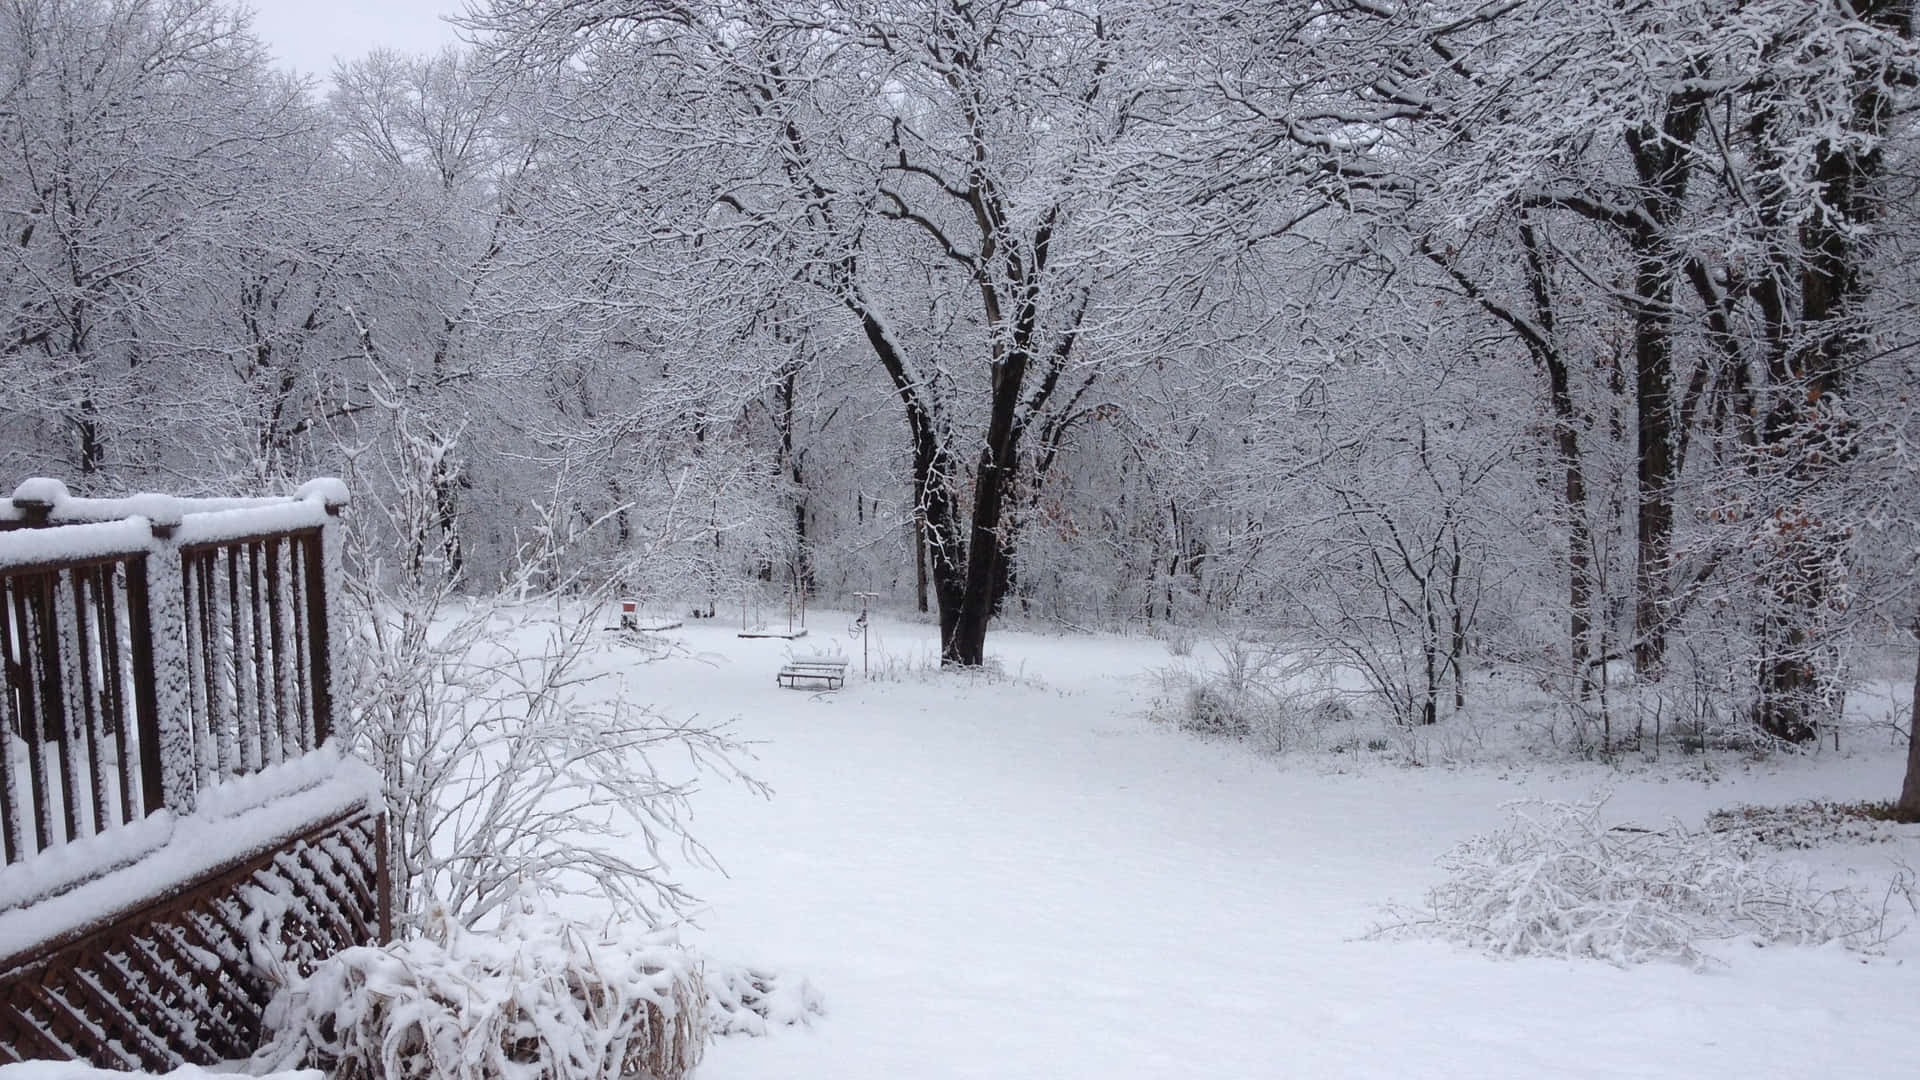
(507, 762)
(1217, 707)
(1260, 692)
(1178, 639)
(509, 768)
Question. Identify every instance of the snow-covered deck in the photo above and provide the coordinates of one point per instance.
(174, 820)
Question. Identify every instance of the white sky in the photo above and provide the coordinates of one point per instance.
(307, 35)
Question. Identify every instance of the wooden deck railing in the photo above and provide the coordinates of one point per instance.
(77, 664)
(152, 647)
(153, 652)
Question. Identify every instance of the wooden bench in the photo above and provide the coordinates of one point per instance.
(817, 670)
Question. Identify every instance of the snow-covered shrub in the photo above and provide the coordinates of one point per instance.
(1178, 639)
(1216, 707)
(1358, 744)
(1701, 703)
(1556, 881)
(1258, 692)
(544, 997)
(80, 1070)
(1269, 716)
(1225, 699)
(1455, 740)
(746, 1001)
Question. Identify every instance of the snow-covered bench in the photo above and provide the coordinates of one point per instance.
(827, 671)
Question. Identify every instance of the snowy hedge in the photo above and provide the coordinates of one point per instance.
(544, 997)
(1555, 881)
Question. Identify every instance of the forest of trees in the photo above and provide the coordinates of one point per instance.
(1566, 338)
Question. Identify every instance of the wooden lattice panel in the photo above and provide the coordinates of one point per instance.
(180, 980)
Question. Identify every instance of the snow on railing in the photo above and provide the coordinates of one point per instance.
(153, 647)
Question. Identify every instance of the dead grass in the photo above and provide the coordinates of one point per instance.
(1811, 824)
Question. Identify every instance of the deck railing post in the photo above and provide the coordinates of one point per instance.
(324, 576)
(145, 710)
(383, 878)
(167, 630)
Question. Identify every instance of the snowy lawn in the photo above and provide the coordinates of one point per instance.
(1027, 878)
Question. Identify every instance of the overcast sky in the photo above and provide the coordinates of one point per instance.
(306, 35)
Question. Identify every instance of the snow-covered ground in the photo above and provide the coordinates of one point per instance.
(1026, 877)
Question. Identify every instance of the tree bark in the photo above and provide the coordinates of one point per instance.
(1653, 452)
(785, 390)
(446, 505)
(1805, 439)
(920, 562)
(986, 547)
(1908, 808)
(1566, 445)
(86, 424)
(1662, 163)
(935, 504)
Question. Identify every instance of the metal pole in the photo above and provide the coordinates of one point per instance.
(865, 598)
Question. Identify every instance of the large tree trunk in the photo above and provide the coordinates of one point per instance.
(947, 561)
(968, 573)
(967, 644)
(789, 462)
(1566, 446)
(1908, 808)
(935, 504)
(1653, 479)
(1660, 159)
(920, 562)
(986, 547)
(1804, 432)
(86, 424)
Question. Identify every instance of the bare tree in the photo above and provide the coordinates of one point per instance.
(1728, 157)
(884, 158)
(126, 129)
